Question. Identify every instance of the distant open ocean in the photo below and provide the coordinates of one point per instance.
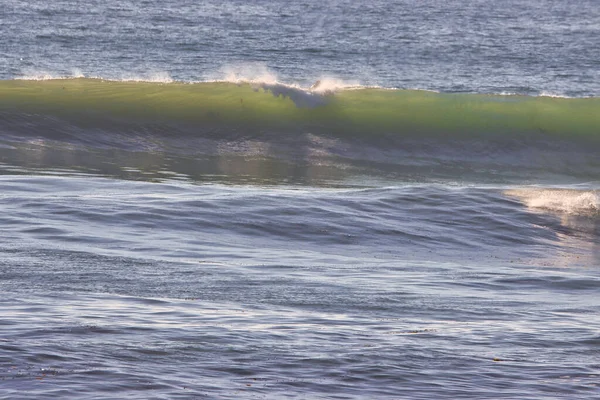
(299, 200)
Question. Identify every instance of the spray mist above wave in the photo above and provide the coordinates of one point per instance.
(260, 76)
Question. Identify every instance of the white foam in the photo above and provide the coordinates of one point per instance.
(257, 74)
(153, 77)
(36, 75)
(504, 93)
(568, 201)
(330, 85)
(261, 77)
(554, 95)
(260, 74)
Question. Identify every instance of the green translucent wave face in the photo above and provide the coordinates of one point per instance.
(274, 133)
(259, 107)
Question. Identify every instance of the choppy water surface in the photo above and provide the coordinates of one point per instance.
(277, 213)
(165, 290)
(505, 46)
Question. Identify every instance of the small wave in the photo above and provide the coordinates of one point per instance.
(567, 201)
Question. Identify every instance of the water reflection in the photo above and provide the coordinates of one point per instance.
(250, 162)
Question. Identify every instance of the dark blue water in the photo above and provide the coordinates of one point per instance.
(294, 243)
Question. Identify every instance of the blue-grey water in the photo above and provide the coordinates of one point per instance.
(476, 46)
(184, 217)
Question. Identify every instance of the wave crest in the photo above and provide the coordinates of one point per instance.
(567, 201)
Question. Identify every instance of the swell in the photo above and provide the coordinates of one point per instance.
(366, 111)
(419, 129)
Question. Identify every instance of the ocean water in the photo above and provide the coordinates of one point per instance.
(311, 200)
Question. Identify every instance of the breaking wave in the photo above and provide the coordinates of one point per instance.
(328, 103)
(332, 123)
(567, 201)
